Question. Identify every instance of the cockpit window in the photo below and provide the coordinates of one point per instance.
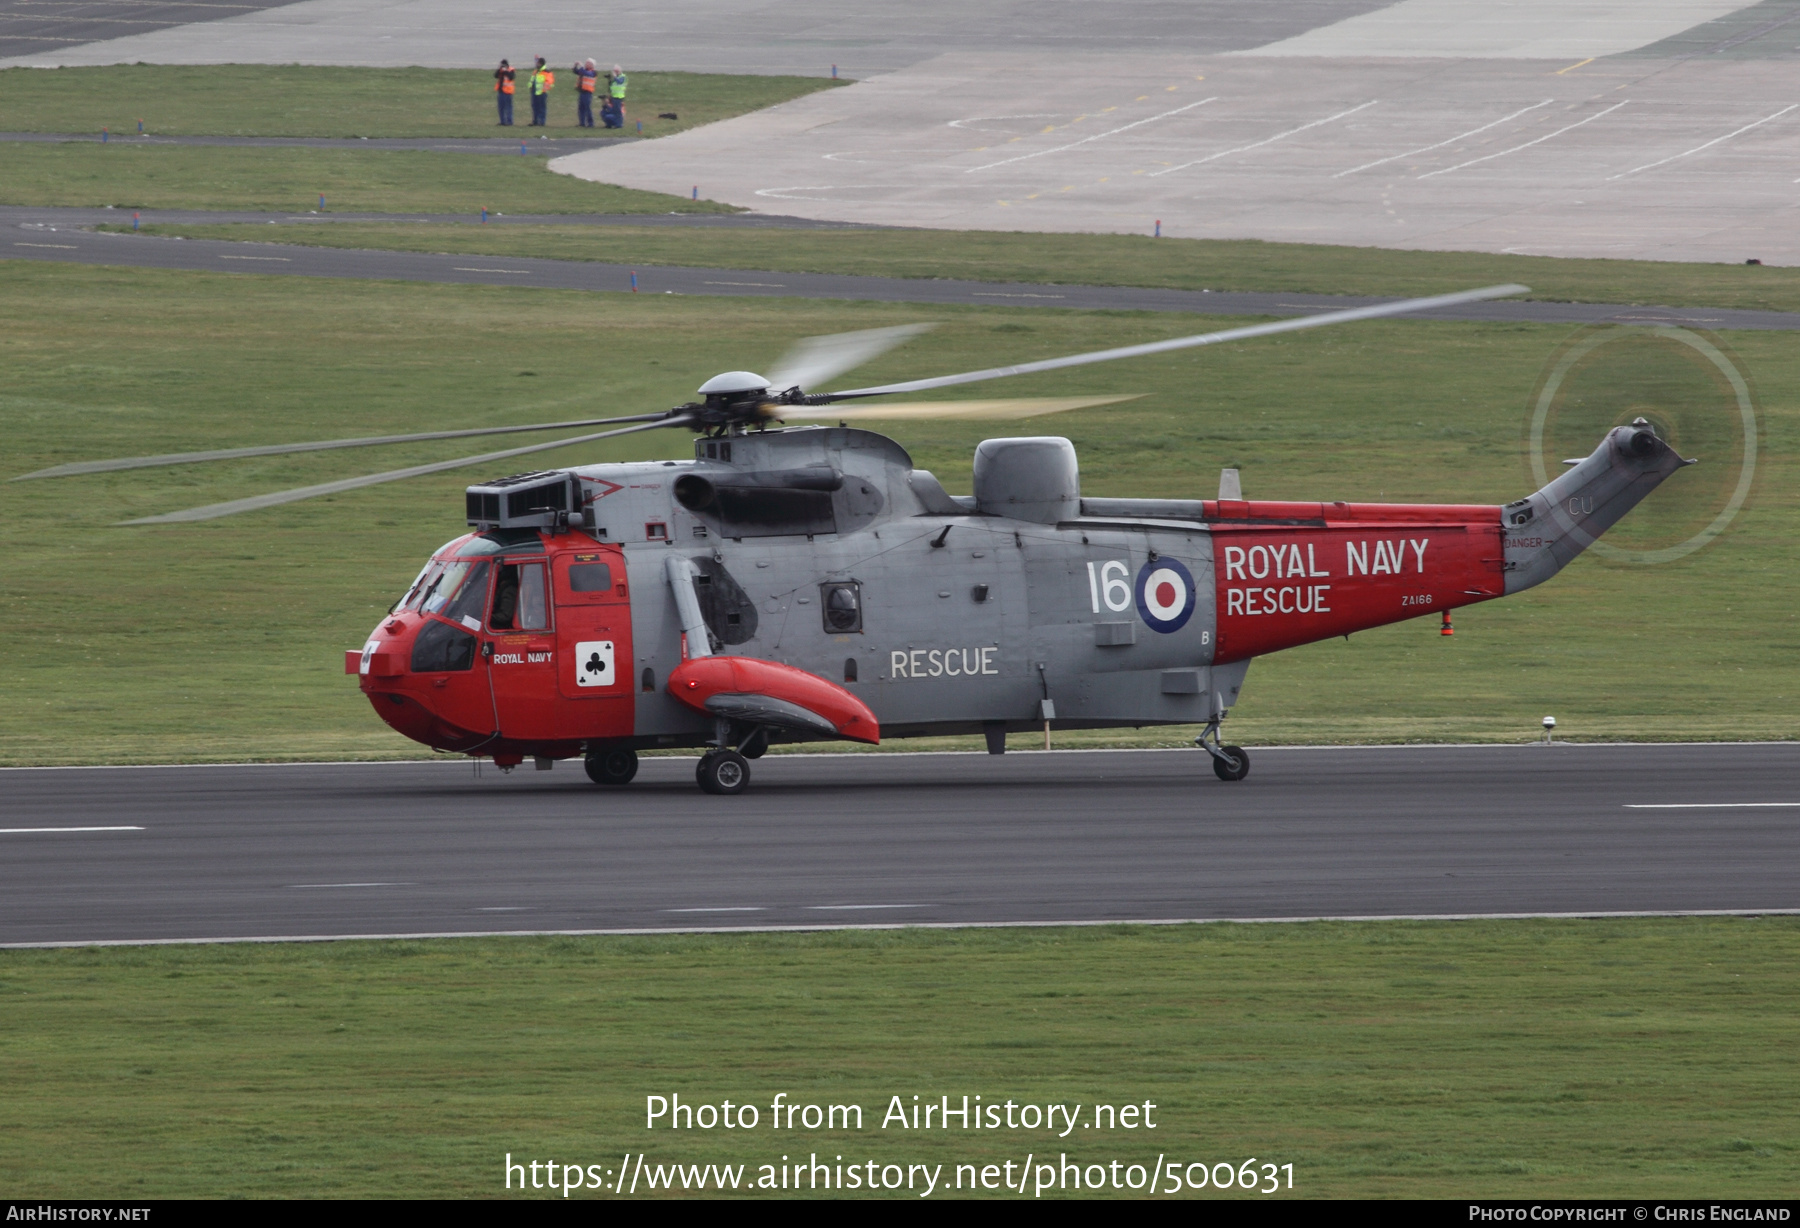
(459, 590)
(534, 603)
(519, 598)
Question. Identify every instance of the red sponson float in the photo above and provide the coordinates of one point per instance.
(699, 679)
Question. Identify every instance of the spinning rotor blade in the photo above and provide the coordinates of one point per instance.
(1404, 307)
(813, 360)
(213, 511)
(279, 449)
(910, 410)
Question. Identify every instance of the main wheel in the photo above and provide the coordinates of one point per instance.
(723, 771)
(1226, 771)
(612, 767)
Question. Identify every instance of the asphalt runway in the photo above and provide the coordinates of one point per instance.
(323, 850)
(49, 27)
(56, 235)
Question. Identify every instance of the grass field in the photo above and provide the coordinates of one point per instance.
(1649, 1058)
(296, 100)
(224, 640)
(1077, 259)
(292, 180)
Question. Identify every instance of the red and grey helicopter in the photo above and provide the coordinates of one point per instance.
(807, 582)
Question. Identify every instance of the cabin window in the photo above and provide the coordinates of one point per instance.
(589, 577)
(842, 607)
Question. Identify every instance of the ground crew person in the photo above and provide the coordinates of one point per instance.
(615, 89)
(585, 76)
(542, 81)
(503, 92)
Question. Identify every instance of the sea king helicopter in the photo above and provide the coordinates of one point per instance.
(807, 582)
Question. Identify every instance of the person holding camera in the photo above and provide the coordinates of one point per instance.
(586, 75)
(503, 92)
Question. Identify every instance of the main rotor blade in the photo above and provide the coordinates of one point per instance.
(1404, 307)
(813, 360)
(213, 511)
(911, 410)
(280, 449)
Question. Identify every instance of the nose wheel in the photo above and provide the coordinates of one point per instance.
(1229, 762)
(723, 771)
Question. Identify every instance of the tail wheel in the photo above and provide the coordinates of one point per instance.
(723, 771)
(1231, 763)
(612, 767)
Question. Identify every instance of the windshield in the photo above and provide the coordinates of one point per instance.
(420, 583)
(457, 590)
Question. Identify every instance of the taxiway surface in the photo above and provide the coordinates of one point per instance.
(139, 854)
(60, 236)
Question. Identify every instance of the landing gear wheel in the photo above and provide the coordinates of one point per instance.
(723, 771)
(612, 767)
(1231, 763)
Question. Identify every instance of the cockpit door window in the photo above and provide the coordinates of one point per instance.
(521, 598)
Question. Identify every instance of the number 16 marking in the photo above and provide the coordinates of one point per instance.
(1102, 584)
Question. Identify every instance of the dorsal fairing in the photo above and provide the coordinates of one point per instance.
(1546, 529)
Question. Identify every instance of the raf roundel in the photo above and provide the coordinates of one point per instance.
(1165, 595)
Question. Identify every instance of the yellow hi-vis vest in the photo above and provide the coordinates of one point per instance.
(617, 88)
(542, 81)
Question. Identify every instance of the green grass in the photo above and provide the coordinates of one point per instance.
(292, 180)
(296, 100)
(1553, 1059)
(224, 640)
(1077, 259)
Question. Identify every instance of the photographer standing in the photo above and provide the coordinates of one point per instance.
(585, 77)
(503, 92)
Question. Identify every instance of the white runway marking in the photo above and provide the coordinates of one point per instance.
(715, 910)
(826, 926)
(1002, 294)
(859, 907)
(1715, 806)
(767, 285)
(1528, 144)
(36, 831)
(1268, 141)
(1453, 140)
(777, 193)
(458, 269)
(982, 119)
(1696, 149)
(66, 247)
(276, 259)
(303, 886)
(1098, 136)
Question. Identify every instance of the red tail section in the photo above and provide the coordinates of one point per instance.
(1292, 573)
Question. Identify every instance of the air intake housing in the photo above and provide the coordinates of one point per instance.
(523, 501)
(1028, 479)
